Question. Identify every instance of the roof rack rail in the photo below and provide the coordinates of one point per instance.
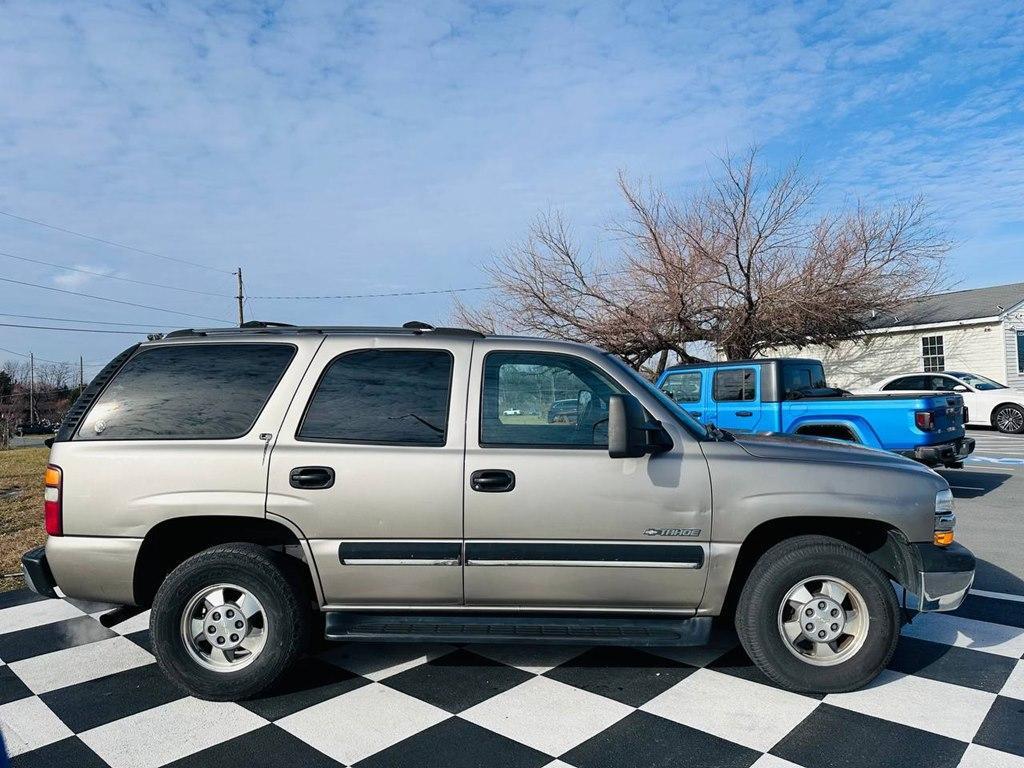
(259, 327)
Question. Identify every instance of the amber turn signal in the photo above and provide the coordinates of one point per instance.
(943, 538)
(51, 478)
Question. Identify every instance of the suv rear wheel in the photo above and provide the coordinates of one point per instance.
(817, 615)
(229, 621)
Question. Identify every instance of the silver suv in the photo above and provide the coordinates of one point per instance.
(256, 485)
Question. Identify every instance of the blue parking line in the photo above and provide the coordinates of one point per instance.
(1006, 461)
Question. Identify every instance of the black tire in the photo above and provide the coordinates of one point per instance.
(1016, 414)
(780, 569)
(274, 579)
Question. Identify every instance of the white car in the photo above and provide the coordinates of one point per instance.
(988, 402)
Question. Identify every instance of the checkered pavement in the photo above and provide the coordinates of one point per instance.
(73, 693)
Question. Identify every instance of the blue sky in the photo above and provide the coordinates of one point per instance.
(348, 148)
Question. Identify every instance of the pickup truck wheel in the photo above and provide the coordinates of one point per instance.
(816, 615)
(1009, 419)
(229, 621)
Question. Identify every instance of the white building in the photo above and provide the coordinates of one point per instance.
(979, 330)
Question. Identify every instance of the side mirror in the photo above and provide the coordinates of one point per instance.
(961, 388)
(630, 435)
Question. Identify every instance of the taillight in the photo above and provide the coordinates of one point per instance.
(924, 421)
(52, 511)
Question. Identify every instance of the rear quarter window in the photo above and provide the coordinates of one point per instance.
(188, 392)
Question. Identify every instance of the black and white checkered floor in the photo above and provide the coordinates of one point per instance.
(73, 693)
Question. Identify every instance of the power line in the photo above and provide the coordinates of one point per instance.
(77, 330)
(112, 277)
(87, 322)
(433, 292)
(112, 243)
(383, 295)
(26, 355)
(115, 301)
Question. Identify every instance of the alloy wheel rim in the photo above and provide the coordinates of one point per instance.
(823, 620)
(1010, 420)
(224, 627)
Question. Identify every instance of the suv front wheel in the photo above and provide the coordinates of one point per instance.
(816, 615)
(229, 621)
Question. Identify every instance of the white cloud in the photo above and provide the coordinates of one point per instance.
(350, 146)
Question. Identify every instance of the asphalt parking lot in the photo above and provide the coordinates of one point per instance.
(990, 499)
(75, 693)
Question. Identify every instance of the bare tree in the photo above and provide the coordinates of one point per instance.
(747, 263)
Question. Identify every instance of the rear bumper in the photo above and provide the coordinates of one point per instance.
(944, 576)
(37, 573)
(943, 453)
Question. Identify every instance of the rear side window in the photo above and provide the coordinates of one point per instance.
(683, 387)
(907, 383)
(188, 392)
(733, 385)
(382, 397)
(802, 378)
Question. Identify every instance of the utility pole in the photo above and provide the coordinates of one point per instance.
(241, 299)
(81, 375)
(31, 388)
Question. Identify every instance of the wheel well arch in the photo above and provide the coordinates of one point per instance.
(836, 430)
(875, 538)
(170, 542)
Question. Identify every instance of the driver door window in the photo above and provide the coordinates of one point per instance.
(544, 400)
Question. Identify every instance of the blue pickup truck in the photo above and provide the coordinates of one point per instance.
(791, 395)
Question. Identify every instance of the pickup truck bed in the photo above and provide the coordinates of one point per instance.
(791, 396)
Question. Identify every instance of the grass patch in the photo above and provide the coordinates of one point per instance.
(21, 508)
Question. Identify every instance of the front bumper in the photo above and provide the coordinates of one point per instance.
(944, 576)
(944, 453)
(37, 573)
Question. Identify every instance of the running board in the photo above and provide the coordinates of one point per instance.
(460, 628)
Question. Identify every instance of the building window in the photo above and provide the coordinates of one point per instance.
(933, 354)
(1020, 351)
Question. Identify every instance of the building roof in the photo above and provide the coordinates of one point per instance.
(953, 307)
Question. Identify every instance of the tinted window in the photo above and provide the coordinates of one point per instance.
(906, 383)
(188, 392)
(382, 396)
(683, 387)
(941, 383)
(544, 400)
(802, 378)
(733, 384)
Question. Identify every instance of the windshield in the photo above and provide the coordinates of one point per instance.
(684, 418)
(978, 382)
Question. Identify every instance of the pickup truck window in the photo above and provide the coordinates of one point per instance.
(544, 400)
(731, 385)
(683, 387)
(381, 397)
(188, 392)
(802, 379)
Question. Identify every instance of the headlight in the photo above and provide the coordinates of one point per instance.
(944, 502)
(945, 520)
